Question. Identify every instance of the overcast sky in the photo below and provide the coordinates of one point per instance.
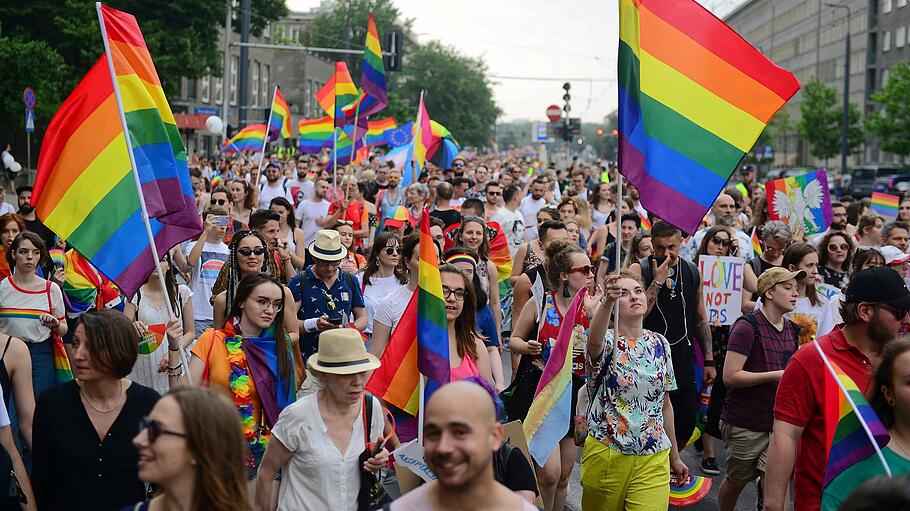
(543, 42)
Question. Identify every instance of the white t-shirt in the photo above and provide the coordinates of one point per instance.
(295, 189)
(513, 227)
(317, 476)
(307, 213)
(392, 307)
(20, 310)
(268, 191)
(203, 276)
(7, 208)
(374, 293)
(529, 208)
(814, 321)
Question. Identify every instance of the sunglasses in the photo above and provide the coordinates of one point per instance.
(586, 269)
(219, 202)
(346, 222)
(329, 301)
(834, 246)
(724, 242)
(494, 193)
(458, 165)
(897, 313)
(247, 252)
(392, 250)
(155, 430)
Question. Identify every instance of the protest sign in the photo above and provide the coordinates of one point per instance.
(801, 201)
(722, 279)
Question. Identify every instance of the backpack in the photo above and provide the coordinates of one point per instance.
(749, 317)
(284, 186)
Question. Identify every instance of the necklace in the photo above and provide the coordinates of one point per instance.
(92, 405)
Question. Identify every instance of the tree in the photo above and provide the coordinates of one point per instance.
(892, 122)
(181, 36)
(821, 121)
(19, 71)
(782, 126)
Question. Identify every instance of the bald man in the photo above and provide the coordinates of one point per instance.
(460, 436)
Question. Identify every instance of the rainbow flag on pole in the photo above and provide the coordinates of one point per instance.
(280, 118)
(250, 138)
(422, 140)
(756, 243)
(551, 411)
(376, 131)
(315, 134)
(338, 93)
(86, 190)
(885, 205)
(375, 96)
(420, 342)
(859, 432)
(693, 98)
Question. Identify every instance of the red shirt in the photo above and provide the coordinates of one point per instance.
(354, 214)
(807, 398)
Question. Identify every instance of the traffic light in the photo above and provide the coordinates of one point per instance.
(599, 131)
(567, 133)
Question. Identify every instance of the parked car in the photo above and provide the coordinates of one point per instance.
(896, 184)
(863, 179)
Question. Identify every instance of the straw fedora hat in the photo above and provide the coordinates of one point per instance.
(327, 246)
(341, 351)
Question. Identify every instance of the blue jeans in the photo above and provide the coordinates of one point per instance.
(43, 372)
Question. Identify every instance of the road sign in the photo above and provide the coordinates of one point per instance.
(30, 121)
(539, 133)
(28, 98)
(575, 125)
(554, 113)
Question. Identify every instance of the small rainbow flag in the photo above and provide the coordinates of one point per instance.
(756, 243)
(63, 372)
(250, 138)
(689, 491)
(422, 139)
(885, 205)
(645, 223)
(315, 134)
(551, 409)
(372, 75)
(338, 93)
(84, 288)
(859, 432)
(376, 131)
(280, 118)
(501, 257)
(693, 98)
(152, 339)
(58, 257)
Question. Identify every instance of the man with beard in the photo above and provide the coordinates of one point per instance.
(874, 308)
(531, 204)
(724, 211)
(27, 213)
(460, 436)
(274, 186)
(312, 212)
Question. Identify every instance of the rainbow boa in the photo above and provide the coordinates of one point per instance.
(256, 432)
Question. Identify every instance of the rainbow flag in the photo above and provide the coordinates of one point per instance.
(84, 288)
(501, 257)
(885, 205)
(859, 432)
(280, 118)
(250, 138)
(445, 148)
(422, 140)
(375, 96)
(420, 343)
(645, 222)
(346, 153)
(693, 98)
(85, 190)
(337, 93)
(551, 410)
(152, 339)
(801, 201)
(58, 257)
(315, 134)
(756, 244)
(376, 131)
(63, 372)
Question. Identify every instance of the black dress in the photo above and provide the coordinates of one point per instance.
(71, 469)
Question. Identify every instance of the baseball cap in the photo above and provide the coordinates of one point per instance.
(879, 285)
(398, 218)
(894, 255)
(773, 276)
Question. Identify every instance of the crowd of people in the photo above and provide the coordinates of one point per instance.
(239, 383)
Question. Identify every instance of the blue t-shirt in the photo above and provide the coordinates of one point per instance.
(486, 325)
(316, 299)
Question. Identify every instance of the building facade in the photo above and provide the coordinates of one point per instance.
(889, 34)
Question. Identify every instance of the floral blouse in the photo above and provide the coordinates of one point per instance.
(627, 411)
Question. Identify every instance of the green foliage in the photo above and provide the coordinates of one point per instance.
(20, 71)
(892, 122)
(820, 124)
(782, 126)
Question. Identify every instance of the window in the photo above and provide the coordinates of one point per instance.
(885, 73)
(266, 89)
(295, 33)
(219, 89)
(254, 90)
(267, 31)
(191, 88)
(886, 40)
(900, 37)
(235, 63)
(886, 6)
(205, 86)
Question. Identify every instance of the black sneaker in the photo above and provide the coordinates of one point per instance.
(709, 467)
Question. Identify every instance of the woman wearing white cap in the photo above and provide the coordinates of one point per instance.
(318, 441)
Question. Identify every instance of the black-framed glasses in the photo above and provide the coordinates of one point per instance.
(392, 250)
(247, 252)
(724, 242)
(459, 294)
(155, 429)
(219, 202)
(494, 193)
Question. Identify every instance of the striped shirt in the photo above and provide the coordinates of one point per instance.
(21, 309)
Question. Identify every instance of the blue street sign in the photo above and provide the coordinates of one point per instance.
(28, 98)
(30, 121)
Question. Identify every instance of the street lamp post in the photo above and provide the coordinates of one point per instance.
(846, 118)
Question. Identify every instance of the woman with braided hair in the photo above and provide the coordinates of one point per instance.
(247, 253)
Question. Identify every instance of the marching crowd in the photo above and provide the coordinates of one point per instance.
(240, 383)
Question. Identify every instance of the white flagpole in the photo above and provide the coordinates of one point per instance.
(420, 406)
(859, 417)
(145, 216)
(334, 157)
(618, 200)
(265, 141)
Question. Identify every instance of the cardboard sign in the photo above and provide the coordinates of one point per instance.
(827, 290)
(802, 201)
(514, 435)
(410, 456)
(722, 283)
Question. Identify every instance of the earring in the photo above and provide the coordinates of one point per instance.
(565, 289)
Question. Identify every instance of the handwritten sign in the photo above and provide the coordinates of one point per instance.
(827, 290)
(722, 283)
(410, 456)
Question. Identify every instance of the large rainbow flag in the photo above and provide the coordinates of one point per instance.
(501, 257)
(280, 117)
(420, 343)
(859, 432)
(885, 205)
(551, 410)
(85, 190)
(250, 138)
(372, 75)
(315, 134)
(693, 98)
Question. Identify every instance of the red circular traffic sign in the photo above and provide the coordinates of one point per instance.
(28, 98)
(554, 112)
